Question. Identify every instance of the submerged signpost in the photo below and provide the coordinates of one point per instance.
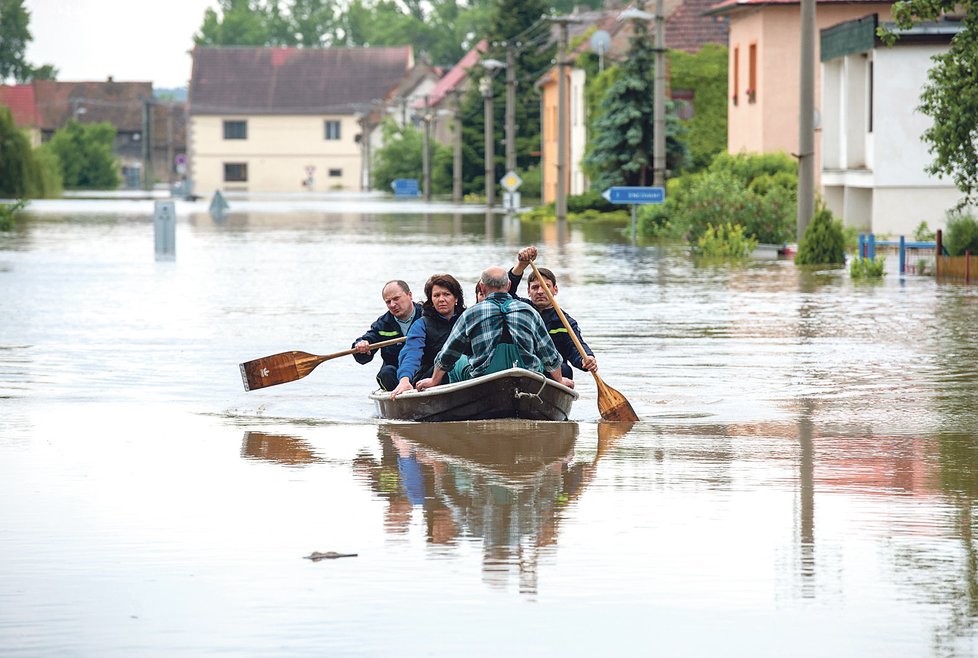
(634, 196)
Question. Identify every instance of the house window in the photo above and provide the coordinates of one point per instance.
(683, 100)
(736, 73)
(235, 130)
(235, 172)
(752, 73)
(332, 129)
(335, 173)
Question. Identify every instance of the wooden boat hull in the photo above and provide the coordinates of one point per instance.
(513, 393)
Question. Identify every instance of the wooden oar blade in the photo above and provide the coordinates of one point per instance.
(612, 405)
(275, 369)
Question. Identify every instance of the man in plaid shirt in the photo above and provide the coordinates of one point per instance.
(502, 332)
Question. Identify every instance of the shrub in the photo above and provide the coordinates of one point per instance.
(961, 234)
(726, 241)
(590, 200)
(7, 213)
(923, 233)
(865, 268)
(823, 242)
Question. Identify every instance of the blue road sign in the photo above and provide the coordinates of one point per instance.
(635, 194)
(405, 187)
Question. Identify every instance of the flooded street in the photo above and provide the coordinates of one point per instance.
(803, 480)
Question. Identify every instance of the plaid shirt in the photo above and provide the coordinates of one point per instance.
(481, 326)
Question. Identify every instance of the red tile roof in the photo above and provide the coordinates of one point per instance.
(728, 6)
(451, 80)
(20, 100)
(689, 29)
(294, 80)
(119, 103)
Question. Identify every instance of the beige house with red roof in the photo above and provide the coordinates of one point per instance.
(763, 77)
(287, 119)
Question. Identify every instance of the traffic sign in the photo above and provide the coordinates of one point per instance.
(405, 187)
(511, 182)
(635, 194)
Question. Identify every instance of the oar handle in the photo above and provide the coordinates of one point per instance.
(560, 314)
(372, 346)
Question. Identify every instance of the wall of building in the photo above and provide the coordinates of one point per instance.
(277, 151)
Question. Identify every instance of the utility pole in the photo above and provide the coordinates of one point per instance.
(485, 86)
(148, 144)
(457, 156)
(561, 200)
(426, 153)
(659, 102)
(510, 107)
(806, 119)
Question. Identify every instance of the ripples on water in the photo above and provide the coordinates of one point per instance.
(802, 483)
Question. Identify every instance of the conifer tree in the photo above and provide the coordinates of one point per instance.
(620, 151)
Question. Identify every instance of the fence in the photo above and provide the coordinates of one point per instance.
(921, 257)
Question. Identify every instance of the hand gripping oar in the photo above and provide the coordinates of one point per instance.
(290, 366)
(611, 404)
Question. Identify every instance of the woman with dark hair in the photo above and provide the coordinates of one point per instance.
(439, 312)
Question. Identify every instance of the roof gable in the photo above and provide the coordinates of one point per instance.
(456, 76)
(730, 6)
(294, 80)
(20, 100)
(119, 103)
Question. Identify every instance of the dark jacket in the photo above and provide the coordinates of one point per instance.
(558, 332)
(426, 339)
(384, 328)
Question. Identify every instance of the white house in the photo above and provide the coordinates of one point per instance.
(873, 157)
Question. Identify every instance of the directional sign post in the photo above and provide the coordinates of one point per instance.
(405, 187)
(634, 196)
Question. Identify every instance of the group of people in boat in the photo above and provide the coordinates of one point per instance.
(447, 342)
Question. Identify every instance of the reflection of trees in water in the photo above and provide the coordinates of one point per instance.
(501, 482)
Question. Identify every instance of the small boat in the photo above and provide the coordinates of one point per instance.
(513, 393)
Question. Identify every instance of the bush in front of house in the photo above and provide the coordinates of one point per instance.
(961, 234)
(85, 154)
(867, 268)
(823, 242)
(753, 191)
(725, 241)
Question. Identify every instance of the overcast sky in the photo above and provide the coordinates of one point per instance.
(131, 40)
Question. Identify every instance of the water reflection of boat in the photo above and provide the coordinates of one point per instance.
(503, 483)
(511, 448)
(513, 393)
(280, 448)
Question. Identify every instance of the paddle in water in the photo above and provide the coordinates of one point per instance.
(290, 366)
(612, 405)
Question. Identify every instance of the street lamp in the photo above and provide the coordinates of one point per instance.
(491, 66)
(658, 89)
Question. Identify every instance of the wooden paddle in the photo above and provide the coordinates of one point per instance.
(290, 366)
(611, 404)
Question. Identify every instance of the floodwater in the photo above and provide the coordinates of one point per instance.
(803, 480)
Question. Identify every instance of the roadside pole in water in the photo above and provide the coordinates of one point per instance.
(165, 230)
(634, 196)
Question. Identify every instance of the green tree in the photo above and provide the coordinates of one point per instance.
(401, 157)
(520, 24)
(823, 242)
(15, 34)
(15, 157)
(85, 153)
(951, 93)
(620, 149)
(25, 172)
(705, 74)
(242, 23)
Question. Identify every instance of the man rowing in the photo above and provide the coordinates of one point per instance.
(501, 332)
(558, 332)
(401, 313)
